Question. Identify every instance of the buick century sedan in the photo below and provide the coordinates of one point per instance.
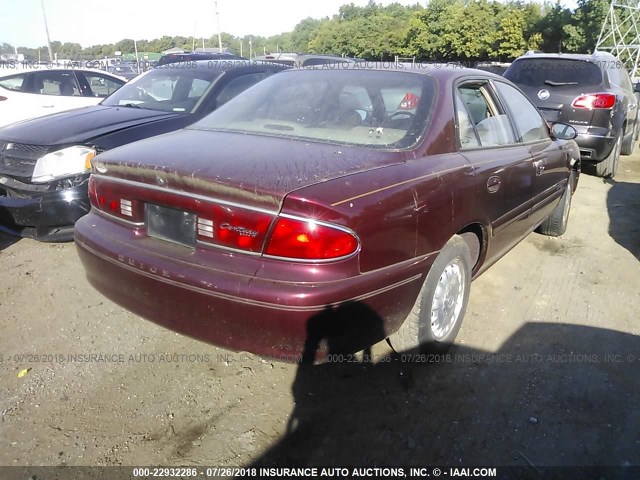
(321, 211)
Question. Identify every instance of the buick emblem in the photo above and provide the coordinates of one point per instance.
(543, 94)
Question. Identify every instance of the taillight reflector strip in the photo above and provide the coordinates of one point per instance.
(594, 101)
(113, 199)
(205, 227)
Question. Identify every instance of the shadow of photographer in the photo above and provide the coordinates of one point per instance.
(554, 394)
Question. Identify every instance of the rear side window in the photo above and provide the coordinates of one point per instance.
(536, 72)
(620, 78)
(13, 83)
(489, 126)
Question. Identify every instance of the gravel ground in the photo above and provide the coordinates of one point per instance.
(545, 371)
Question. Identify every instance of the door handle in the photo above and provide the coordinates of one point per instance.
(493, 184)
(539, 166)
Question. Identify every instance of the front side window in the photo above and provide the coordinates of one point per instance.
(237, 85)
(165, 89)
(384, 109)
(101, 85)
(530, 125)
(491, 126)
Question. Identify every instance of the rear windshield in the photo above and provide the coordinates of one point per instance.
(536, 72)
(382, 109)
(165, 89)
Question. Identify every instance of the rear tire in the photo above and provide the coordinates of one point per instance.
(609, 166)
(437, 314)
(629, 146)
(556, 224)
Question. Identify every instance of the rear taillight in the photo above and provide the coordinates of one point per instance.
(113, 199)
(3, 98)
(232, 227)
(309, 240)
(409, 102)
(594, 100)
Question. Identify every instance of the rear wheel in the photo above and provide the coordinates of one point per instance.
(629, 146)
(609, 166)
(556, 224)
(437, 314)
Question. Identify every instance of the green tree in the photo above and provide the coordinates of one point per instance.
(509, 39)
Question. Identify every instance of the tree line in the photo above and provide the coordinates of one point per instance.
(441, 30)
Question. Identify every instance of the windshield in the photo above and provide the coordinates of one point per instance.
(536, 72)
(165, 89)
(384, 109)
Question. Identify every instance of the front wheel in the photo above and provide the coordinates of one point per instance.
(437, 314)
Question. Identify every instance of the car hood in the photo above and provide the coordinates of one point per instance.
(79, 125)
(248, 169)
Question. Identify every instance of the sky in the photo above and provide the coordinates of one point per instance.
(94, 22)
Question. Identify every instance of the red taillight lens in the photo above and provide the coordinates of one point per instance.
(93, 198)
(233, 227)
(409, 102)
(595, 100)
(113, 199)
(3, 98)
(309, 240)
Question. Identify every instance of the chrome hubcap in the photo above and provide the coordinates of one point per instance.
(448, 300)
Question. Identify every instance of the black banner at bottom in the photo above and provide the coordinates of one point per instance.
(391, 472)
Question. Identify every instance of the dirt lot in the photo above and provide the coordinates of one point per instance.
(545, 373)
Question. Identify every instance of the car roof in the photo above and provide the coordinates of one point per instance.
(437, 70)
(5, 72)
(587, 57)
(229, 64)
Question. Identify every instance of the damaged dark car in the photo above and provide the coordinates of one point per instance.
(45, 162)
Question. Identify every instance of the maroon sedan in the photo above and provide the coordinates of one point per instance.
(324, 210)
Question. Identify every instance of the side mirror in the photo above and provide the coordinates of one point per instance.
(636, 87)
(562, 131)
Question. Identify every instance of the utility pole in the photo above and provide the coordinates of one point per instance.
(218, 21)
(46, 27)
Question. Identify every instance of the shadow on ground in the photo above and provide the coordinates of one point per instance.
(623, 204)
(553, 395)
(7, 240)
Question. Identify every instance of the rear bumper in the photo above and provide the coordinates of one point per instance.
(595, 148)
(47, 216)
(227, 300)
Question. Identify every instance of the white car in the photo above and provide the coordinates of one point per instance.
(35, 92)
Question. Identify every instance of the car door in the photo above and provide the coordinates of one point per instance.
(95, 84)
(12, 99)
(551, 163)
(57, 90)
(503, 167)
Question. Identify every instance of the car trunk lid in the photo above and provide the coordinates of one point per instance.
(251, 170)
